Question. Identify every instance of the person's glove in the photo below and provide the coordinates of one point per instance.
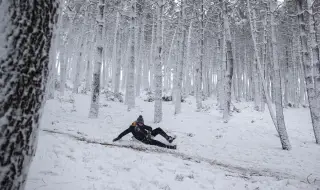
(115, 139)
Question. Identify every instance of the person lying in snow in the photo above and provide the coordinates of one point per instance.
(145, 134)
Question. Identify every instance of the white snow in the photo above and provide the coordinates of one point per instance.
(242, 154)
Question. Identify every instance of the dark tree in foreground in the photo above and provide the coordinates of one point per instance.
(25, 39)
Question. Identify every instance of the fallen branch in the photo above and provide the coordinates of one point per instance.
(150, 149)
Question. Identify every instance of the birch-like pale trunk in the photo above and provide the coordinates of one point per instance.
(158, 67)
(282, 131)
(310, 65)
(95, 97)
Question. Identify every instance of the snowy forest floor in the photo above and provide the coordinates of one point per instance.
(76, 152)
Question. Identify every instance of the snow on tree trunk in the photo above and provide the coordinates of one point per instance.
(63, 70)
(78, 67)
(278, 99)
(182, 37)
(229, 71)
(117, 57)
(151, 58)
(25, 44)
(140, 54)
(94, 107)
(310, 65)
(88, 76)
(158, 68)
(131, 68)
(114, 49)
(199, 70)
(286, 80)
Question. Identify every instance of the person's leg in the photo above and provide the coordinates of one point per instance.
(159, 131)
(160, 144)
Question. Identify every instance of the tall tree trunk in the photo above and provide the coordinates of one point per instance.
(23, 76)
(310, 65)
(78, 66)
(182, 37)
(158, 68)
(63, 69)
(140, 54)
(278, 99)
(130, 79)
(200, 66)
(151, 58)
(118, 56)
(229, 71)
(114, 49)
(94, 108)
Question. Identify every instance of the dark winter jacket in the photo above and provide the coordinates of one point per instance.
(139, 132)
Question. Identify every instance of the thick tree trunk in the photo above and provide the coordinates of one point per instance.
(23, 76)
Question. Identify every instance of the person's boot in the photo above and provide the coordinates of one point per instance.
(170, 139)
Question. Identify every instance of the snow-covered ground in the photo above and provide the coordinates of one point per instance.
(242, 154)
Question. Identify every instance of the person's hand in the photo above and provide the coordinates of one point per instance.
(115, 139)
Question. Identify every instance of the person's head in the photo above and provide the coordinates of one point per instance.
(140, 120)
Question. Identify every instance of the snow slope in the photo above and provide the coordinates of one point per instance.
(242, 154)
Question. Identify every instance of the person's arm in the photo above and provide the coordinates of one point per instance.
(125, 132)
(146, 127)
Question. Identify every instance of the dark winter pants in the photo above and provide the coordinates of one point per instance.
(155, 132)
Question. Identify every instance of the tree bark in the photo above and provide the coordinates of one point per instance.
(94, 108)
(310, 65)
(278, 99)
(131, 68)
(229, 71)
(158, 68)
(25, 44)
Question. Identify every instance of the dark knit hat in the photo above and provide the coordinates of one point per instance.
(140, 119)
